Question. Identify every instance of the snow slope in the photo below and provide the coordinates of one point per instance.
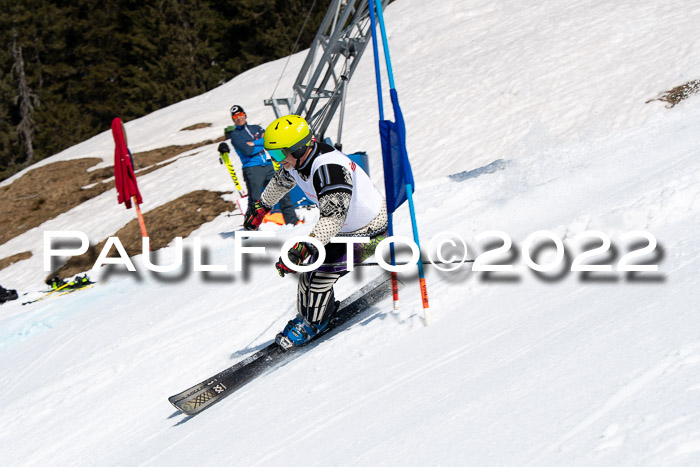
(558, 368)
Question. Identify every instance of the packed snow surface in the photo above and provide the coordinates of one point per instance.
(529, 120)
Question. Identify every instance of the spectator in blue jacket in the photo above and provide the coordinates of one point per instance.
(258, 170)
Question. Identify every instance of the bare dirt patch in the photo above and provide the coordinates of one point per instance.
(42, 194)
(48, 191)
(196, 126)
(10, 260)
(178, 218)
(678, 94)
(147, 161)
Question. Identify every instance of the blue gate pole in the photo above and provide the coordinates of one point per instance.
(409, 189)
(392, 252)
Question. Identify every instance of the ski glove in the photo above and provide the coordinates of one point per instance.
(297, 255)
(254, 215)
(223, 148)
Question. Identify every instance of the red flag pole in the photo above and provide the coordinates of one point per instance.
(124, 176)
(142, 224)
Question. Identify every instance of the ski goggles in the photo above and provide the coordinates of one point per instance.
(278, 154)
(239, 114)
(281, 154)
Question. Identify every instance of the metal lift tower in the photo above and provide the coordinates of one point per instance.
(332, 59)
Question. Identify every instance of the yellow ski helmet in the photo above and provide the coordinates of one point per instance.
(289, 135)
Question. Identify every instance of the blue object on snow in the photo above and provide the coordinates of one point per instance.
(299, 331)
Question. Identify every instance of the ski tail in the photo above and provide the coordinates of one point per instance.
(199, 387)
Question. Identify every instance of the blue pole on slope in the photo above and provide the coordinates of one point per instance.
(398, 116)
(375, 49)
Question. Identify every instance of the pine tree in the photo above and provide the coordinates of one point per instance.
(26, 99)
(67, 68)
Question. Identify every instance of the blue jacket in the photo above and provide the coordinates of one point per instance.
(250, 156)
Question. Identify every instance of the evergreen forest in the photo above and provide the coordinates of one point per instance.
(68, 67)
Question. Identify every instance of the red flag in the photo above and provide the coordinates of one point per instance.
(124, 177)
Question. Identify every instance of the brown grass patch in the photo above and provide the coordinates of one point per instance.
(48, 191)
(42, 194)
(678, 94)
(149, 159)
(10, 260)
(196, 126)
(178, 218)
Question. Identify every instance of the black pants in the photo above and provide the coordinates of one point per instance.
(315, 294)
(256, 179)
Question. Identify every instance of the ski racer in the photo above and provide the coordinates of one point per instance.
(350, 205)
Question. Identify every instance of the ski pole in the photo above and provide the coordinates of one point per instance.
(344, 263)
(53, 291)
(75, 290)
(229, 166)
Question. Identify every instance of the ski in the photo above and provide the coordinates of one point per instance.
(193, 400)
(62, 289)
(90, 285)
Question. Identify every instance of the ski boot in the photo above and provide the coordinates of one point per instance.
(55, 283)
(81, 281)
(299, 331)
